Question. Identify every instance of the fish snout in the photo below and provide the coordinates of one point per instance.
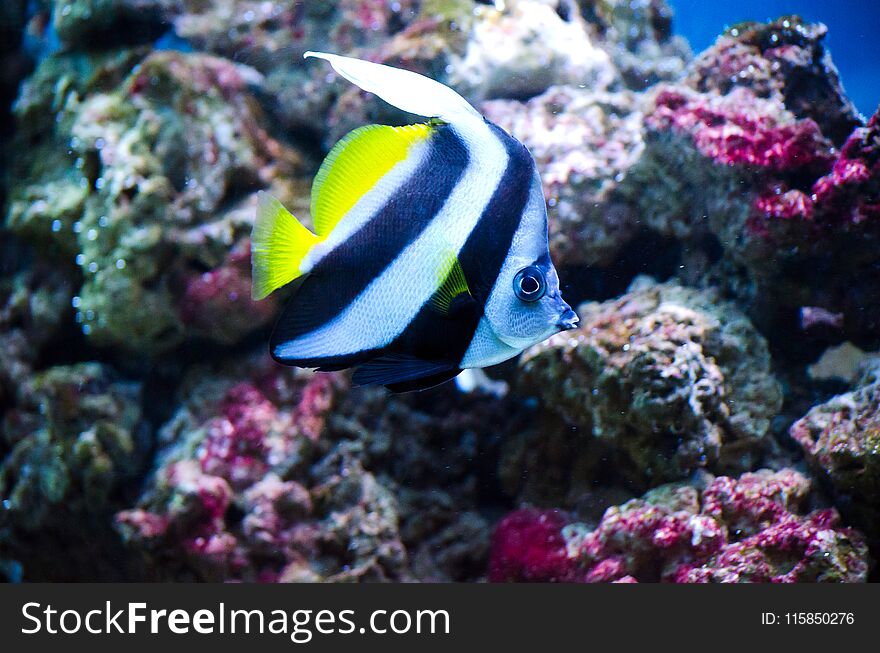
(568, 320)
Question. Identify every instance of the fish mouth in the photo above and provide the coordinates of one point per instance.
(567, 321)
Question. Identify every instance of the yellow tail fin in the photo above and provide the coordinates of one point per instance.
(279, 243)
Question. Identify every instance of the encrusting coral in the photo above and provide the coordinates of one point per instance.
(746, 529)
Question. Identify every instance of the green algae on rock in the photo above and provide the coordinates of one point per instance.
(165, 165)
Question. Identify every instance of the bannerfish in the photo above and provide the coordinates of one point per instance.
(429, 253)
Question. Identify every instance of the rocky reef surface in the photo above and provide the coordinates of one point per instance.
(717, 214)
(731, 530)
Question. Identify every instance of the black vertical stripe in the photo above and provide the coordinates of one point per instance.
(488, 245)
(436, 337)
(343, 274)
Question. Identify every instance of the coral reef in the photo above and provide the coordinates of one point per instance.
(672, 378)
(734, 530)
(142, 438)
(278, 475)
(217, 507)
(841, 439)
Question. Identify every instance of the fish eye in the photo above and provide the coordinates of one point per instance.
(529, 284)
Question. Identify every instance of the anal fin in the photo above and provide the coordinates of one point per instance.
(402, 373)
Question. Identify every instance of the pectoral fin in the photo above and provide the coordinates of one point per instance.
(452, 285)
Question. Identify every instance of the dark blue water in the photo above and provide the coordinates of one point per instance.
(853, 27)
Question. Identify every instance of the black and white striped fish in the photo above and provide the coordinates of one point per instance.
(430, 250)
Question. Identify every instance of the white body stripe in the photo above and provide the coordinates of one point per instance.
(391, 301)
(486, 348)
(369, 204)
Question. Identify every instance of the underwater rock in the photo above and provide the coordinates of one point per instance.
(841, 440)
(744, 151)
(733, 530)
(705, 154)
(74, 441)
(434, 452)
(99, 23)
(265, 35)
(785, 61)
(148, 186)
(673, 379)
(823, 240)
(275, 474)
(524, 49)
(517, 49)
(639, 37)
(460, 44)
(272, 37)
(584, 141)
(47, 191)
(32, 305)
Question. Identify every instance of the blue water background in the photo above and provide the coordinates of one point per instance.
(853, 33)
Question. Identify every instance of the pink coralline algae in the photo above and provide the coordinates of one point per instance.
(758, 150)
(737, 129)
(786, 61)
(218, 303)
(847, 198)
(735, 530)
(234, 445)
(528, 546)
(823, 238)
(223, 504)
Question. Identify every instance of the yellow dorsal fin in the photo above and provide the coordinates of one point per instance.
(279, 242)
(451, 282)
(353, 167)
